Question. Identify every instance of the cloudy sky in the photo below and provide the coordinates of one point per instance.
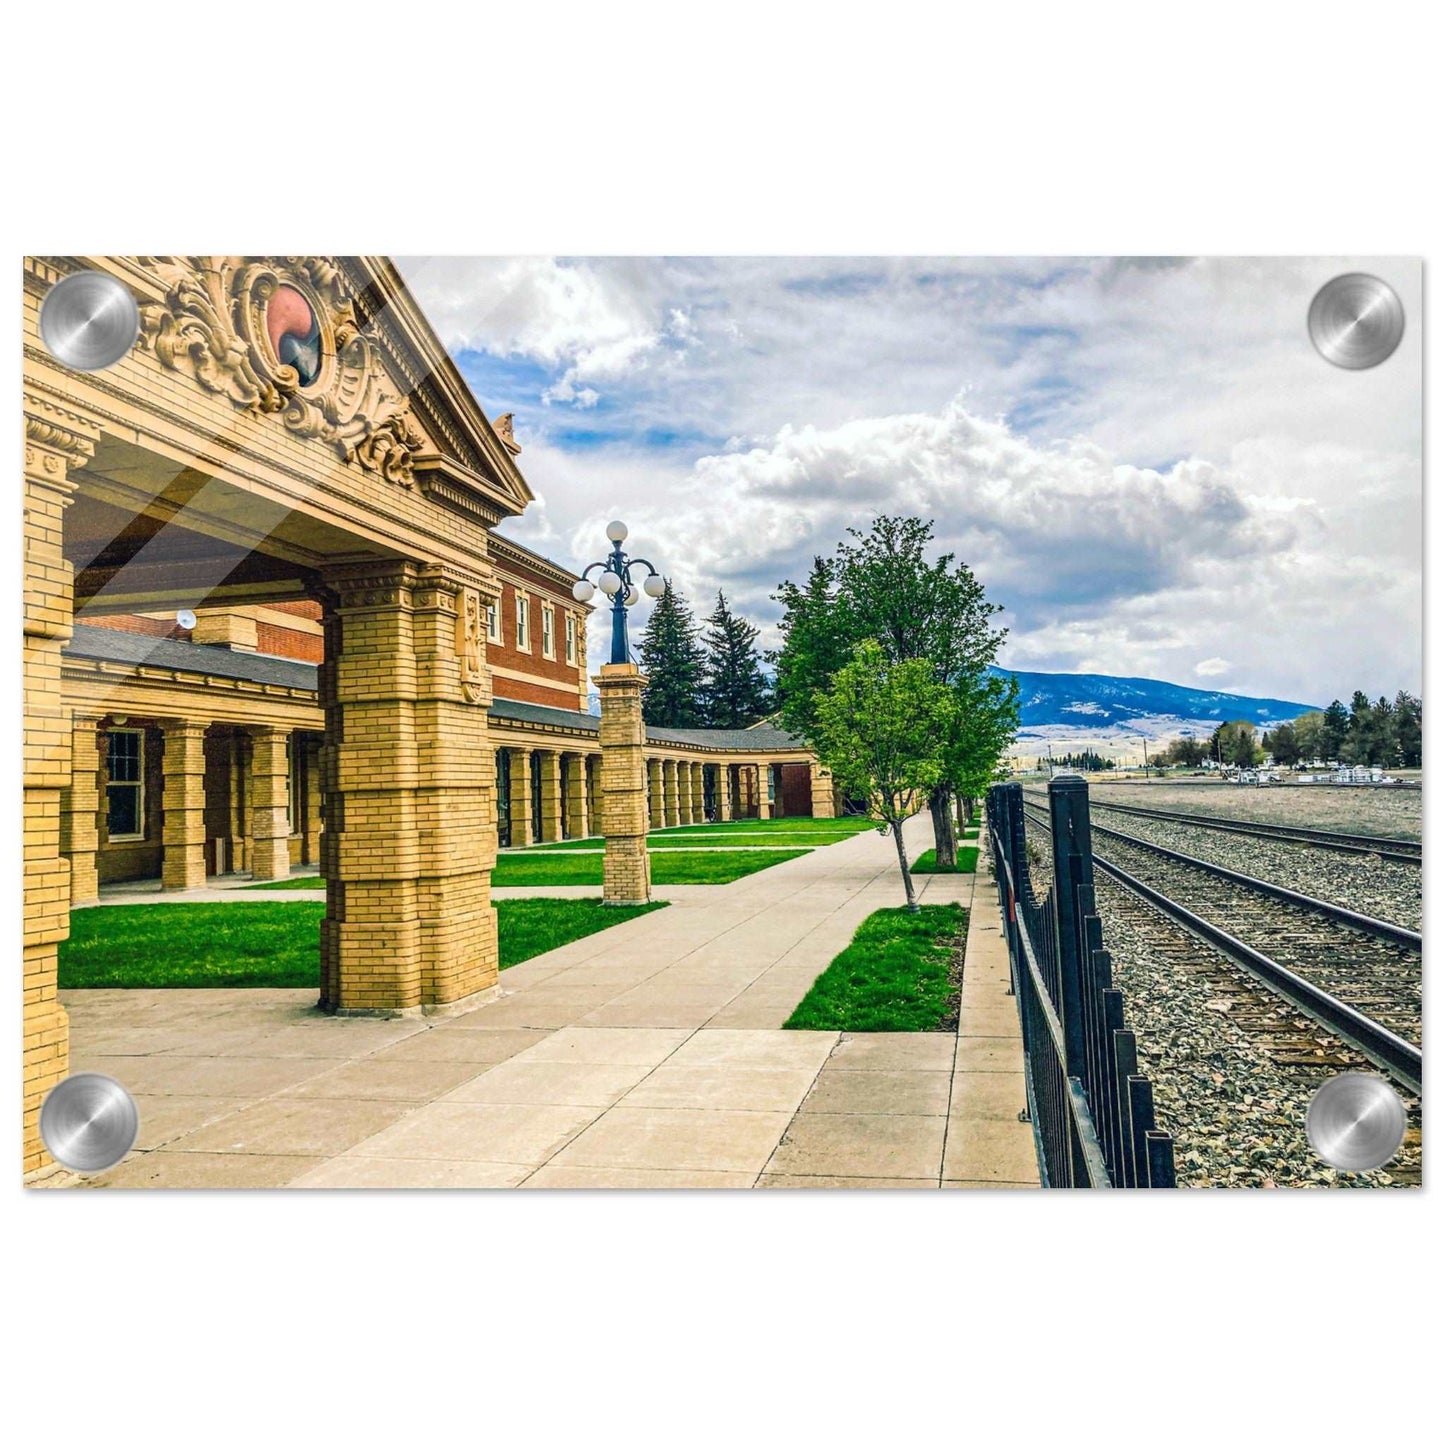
(1145, 461)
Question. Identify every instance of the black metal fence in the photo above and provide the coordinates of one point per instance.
(1093, 1112)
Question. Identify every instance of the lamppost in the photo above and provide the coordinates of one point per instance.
(616, 582)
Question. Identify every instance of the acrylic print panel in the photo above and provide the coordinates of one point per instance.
(722, 722)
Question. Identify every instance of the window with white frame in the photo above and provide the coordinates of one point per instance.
(494, 623)
(524, 630)
(125, 783)
(549, 638)
(571, 639)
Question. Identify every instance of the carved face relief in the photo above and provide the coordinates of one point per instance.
(295, 333)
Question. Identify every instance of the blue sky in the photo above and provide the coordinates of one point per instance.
(1145, 461)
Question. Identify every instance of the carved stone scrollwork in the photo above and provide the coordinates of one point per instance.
(325, 378)
(470, 648)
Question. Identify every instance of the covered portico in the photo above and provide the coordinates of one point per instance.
(203, 469)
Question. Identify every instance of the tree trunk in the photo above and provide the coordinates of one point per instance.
(897, 830)
(959, 817)
(945, 845)
(967, 811)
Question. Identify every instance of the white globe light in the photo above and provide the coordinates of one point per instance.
(633, 596)
(610, 583)
(617, 531)
(655, 585)
(582, 590)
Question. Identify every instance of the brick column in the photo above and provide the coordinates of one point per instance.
(594, 792)
(79, 809)
(765, 783)
(654, 792)
(56, 440)
(238, 804)
(725, 792)
(684, 794)
(699, 813)
(824, 805)
(270, 782)
(406, 852)
(576, 766)
(626, 868)
(183, 804)
(670, 812)
(521, 797)
(311, 801)
(551, 794)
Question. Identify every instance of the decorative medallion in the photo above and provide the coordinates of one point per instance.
(284, 336)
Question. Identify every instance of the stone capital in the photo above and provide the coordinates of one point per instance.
(57, 438)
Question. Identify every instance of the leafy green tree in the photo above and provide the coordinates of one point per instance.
(672, 659)
(986, 717)
(880, 585)
(1309, 734)
(735, 692)
(1333, 730)
(1282, 745)
(884, 727)
(1233, 743)
(1186, 752)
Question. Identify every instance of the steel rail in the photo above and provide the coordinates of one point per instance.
(1399, 1058)
(1398, 850)
(1362, 922)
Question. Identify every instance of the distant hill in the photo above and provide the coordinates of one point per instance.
(1092, 700)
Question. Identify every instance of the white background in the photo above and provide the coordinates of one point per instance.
(747, 128)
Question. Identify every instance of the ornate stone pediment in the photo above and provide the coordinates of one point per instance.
(284, 335)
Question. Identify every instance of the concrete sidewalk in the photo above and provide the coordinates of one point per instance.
(648, 1055)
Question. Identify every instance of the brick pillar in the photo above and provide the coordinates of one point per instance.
(270, 782)
(594, 792)
(551, 794)
(521, 797)
(576, 766)
(725, 792)
(405, 851)
(56, 440)
(654, 793)
(670, 813)
(699, 813)
(79, 810)
(238, 804)
(183, 804)
(824, 805)
(765, 787)
(626, 868)
(684, 794)
(311, 800)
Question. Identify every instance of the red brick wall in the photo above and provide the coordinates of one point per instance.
(144, 626)
(287, 642)
(506, 653)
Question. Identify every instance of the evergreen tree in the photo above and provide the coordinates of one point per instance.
(1332, 731)
(816, 645)
(735, 692)
(672, 661)
(1408, 729)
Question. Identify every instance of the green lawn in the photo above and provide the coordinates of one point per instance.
(967, 862)
(274, 945)
(310, 880)
(901, 974)
(536, 868)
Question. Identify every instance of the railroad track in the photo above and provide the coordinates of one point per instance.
(1356, 976)
(1395, 850)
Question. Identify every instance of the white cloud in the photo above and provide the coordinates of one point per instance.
(1211, 667)
(1180, 476)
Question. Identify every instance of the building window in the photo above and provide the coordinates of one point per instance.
(549, 641)
(524, 631)
(571, 640)
(125, 783)
(494, 623)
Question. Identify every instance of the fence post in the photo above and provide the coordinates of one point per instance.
(1073, 869)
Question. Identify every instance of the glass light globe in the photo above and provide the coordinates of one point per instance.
(610, 583)
(655, 585)
(617, 531)
(633, 597)
(583, 590)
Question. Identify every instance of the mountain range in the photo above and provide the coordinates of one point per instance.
(1093, 700)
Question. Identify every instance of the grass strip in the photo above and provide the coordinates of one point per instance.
(902, 973)
(537, 868)
(277, 945)
(928, 862)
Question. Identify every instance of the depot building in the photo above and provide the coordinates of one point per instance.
(269, 624)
